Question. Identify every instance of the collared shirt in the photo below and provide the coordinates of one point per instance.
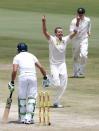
(26, 62)
(57, 49)
(83, 29)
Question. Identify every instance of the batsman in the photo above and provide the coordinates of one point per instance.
(26, 63)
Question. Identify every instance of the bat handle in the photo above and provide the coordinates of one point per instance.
(11, 94)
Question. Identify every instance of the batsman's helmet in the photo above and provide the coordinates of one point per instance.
(81, 11)
(22, 47)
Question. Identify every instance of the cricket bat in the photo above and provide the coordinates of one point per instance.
(7, 108)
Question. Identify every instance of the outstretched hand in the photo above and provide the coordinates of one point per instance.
(78, 20)
(43, 18)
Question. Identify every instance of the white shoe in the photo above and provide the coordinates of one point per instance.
(79, 76)
(55, 105)
(27, 118)
(76, 76)
(28, 121)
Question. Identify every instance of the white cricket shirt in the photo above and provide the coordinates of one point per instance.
(83, 29)
(57, 49)
(26, 62)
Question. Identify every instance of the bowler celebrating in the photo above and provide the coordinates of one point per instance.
(57, 48)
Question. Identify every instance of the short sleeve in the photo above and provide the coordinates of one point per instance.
(51, 39)
(72, 25)
(15, 60)
(35, 59)
(67, 39)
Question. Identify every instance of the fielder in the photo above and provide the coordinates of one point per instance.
(25, 62)
(57, 49)
(80, 43)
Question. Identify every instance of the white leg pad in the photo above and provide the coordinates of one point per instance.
(31, 102)
(22, 109)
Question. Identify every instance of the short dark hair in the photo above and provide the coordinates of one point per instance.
(55, 31)
(81, 10)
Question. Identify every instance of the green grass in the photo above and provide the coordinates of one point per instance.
(20, 20)
(19, 26)
(52, 6)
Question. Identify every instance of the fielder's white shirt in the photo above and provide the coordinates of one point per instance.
(57, 49)
(84, 27)
(26, 62)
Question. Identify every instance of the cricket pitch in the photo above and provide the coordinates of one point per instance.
(59, 121)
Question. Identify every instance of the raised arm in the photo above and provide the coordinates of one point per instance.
(76, 28)
(44, 28)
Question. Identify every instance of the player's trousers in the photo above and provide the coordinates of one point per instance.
(59, 76)
(80, 54)
(27, 94)
(27, 87)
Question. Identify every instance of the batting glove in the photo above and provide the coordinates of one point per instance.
(11, 86)
(46, 82)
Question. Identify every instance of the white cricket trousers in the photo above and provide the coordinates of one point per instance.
(59, 76)
(80, 52)
(27, 87)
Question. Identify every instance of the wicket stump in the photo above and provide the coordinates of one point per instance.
(44, 106)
